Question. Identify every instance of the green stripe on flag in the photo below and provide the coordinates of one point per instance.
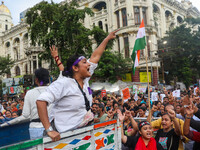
(24, 145)
(139, 45)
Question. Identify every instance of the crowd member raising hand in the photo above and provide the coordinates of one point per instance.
(144, 141)
(190, 110)
(169, 137)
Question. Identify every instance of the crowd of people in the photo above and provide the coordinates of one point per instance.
(168, 123)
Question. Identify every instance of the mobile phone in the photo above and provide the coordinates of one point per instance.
(178, 98)
(185, 106)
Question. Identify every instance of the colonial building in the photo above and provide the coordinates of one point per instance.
(15, 42)
(159, 16)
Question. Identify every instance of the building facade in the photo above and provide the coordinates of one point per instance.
(159, 16)
(15, 42)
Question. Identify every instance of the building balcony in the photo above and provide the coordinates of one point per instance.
(100, 14)
(120, 4)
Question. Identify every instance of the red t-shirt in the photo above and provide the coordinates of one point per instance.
(196, 136)
(14, 109)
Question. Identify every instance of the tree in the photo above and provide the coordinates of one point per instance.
(111, 66)
(62, 25)
(181, 54)
(6, 64)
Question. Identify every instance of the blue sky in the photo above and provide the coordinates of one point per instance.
(17, 6)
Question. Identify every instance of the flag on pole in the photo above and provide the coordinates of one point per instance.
(140, 44)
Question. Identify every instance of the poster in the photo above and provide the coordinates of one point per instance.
(143, 77)
(176, 93)
(127, 77)
(162, 97)
(103, 93)
(126, 94)
(154, 96)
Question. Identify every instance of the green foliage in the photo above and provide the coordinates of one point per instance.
(181, 54)
(111, 66)
(6, 64)
(60, 25)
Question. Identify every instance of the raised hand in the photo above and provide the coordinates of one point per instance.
(54, 51)
(171, 113)
(189, 111)
(121, 117)
(112, 35)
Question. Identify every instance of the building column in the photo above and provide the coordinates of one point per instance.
(120, 18)
(136, 77)
(155, 76)
(32, 65)
(37, 66)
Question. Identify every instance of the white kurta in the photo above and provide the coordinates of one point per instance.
(69, 104)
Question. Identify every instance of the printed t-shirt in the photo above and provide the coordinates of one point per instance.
(168, 140)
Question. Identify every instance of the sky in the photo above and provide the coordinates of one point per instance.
(18, 6)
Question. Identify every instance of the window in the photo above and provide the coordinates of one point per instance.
(144, 14)
(124, 17)
(126, 47)
(137, 15)
(100, 25)
(118, 43)
(6, 27)
(117, 15)
(106, 27)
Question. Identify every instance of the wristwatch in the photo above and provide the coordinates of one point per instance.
(49, 129)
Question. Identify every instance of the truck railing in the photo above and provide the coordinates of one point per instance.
(103, 136)
(106, 135)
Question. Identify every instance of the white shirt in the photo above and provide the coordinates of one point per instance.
(30, 108)
(69, 104)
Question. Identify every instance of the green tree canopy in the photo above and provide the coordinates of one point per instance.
(181, 54)
(6, 64)
(62, 25)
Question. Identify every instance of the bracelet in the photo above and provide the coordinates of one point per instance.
(59, 64)
(56, 58)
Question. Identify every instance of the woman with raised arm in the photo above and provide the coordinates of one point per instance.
(169, 137)
(71, 94)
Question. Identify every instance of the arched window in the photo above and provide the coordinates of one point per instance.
(99, 6)
(17, 71)
(101, 25)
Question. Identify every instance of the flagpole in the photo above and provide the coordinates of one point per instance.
(148, 81)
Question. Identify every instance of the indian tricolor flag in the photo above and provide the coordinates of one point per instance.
(140, 44)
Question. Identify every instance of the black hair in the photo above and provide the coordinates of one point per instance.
(125, 105)
(104, 98)
(143, 108)
(115, 102)
(42, 75)
(142, 123)
(94, 104)
(101, 106)
(68, 71)
(168, 115)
